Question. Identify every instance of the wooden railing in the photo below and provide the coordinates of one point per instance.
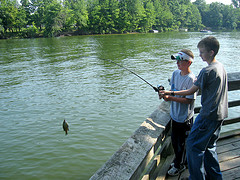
(147, 154)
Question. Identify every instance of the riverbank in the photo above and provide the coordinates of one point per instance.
(32, 32)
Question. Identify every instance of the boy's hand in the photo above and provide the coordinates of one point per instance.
(165, 95)
(164, 92)
(160, 95)
(167, 98)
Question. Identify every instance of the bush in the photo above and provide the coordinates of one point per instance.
(31, 31)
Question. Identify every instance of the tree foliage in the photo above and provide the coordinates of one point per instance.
(236, 3)
(219, 16)
(55, 17)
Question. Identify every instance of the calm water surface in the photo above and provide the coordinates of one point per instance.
(44, 81)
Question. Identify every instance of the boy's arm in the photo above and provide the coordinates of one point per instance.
(190, 91)
(177, 99)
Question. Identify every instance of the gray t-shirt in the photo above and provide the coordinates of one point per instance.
(212, 80)
(181, 112)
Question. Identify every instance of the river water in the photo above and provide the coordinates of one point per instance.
(44, 81)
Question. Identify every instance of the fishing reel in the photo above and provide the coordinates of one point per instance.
(158, 88)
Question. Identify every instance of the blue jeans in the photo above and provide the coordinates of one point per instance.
(201, 150)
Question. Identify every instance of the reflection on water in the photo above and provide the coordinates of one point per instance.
(44, 81)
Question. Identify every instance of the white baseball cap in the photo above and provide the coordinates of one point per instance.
(181, 56)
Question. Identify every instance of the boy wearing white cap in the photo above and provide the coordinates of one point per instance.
(182, 108)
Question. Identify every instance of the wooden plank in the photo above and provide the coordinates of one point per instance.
(232, 144)
(229, 134)
(230, 164)
(163, 168)
(228, 147)
(233, 81)
(234, 103)
(231, 121)
(232, 174)
(224, 141)
(230, 104)
(232, 154)
(233, 85)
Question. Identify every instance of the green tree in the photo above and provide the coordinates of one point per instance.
(148, 18)
(178, 12)
(110, 10)
(229, 20)
(236, 3)
(164, 16)
(103, 16)
(80, 13)
(38, 15)
(215, 16)
(237, 15)
(124, 21)
(28, 8)
(95, 17)
(21, 19)
(64, 19)
(32, 31)
(1, 29)
(203, 9)
(192, 18)
(137, 13)
(132, 13)
(114, 15)
(51, 18)
(8, 13)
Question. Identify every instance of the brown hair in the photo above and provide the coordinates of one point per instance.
(188, 52)
(209, 43)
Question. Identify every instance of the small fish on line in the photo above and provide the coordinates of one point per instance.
(65, 127)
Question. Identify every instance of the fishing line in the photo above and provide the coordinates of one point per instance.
(155, 88)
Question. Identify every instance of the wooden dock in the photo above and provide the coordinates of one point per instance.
(228, 149)
(148, 153)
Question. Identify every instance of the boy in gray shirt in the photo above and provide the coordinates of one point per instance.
(201, 143)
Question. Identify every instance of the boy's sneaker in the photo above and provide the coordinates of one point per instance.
(176, 171)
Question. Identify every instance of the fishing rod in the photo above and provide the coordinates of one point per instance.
(155, 88)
